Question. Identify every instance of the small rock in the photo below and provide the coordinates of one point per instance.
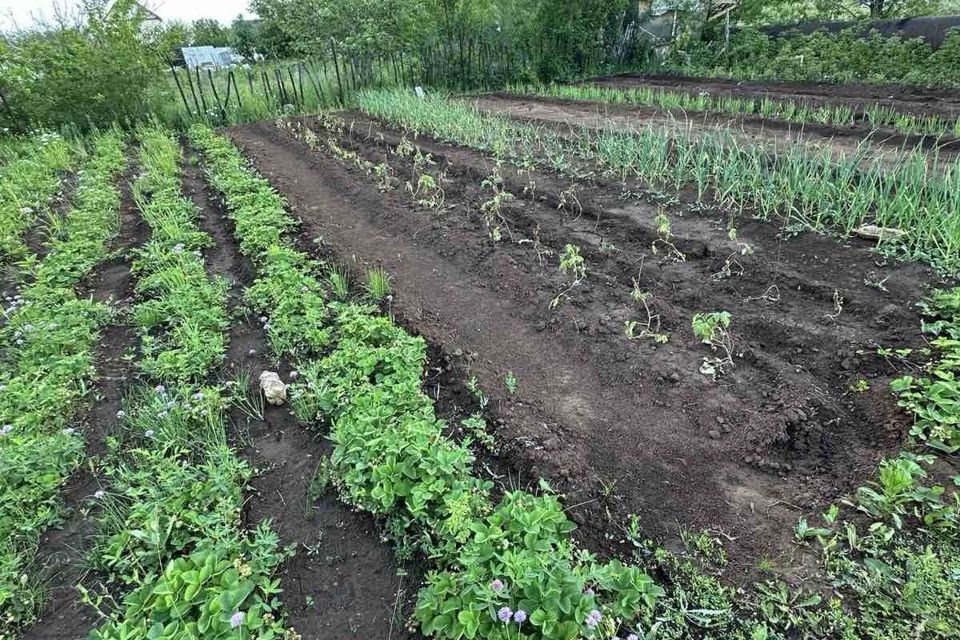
(674, 377)
(457, 352)
(714, 434)
(273, 388)
(252, 352)
(294, 375)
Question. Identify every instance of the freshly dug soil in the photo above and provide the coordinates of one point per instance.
(623, 426)
(912, 100)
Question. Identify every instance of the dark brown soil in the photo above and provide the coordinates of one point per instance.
(343, 581)
(752, 129)
(61, 551)
(628, 426)
(939, 102)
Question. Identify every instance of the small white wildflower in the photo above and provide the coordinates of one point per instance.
(148, 433)
(236, 619)
(99, 494)
(121, 414)
(160, 388)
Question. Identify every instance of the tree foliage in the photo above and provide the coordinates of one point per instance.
(87, 75)
(209, 32)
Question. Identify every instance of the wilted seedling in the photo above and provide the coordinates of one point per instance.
(664, 242)
(378, 283)
(650, 327)
(711, 328)
(428, 192)
(732, 266)
(568, 200)
(573, 267)
(491, 210)
(385, 175)
(510, 382)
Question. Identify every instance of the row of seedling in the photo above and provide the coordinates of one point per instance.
(171, 552)
(46, 352)
(916, 204)
(29, 181)
(876, 115)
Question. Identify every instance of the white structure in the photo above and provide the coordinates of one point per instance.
(210, 57)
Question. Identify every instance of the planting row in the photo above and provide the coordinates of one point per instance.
(875, 116)
(915, 204)
(28, 182)
(508, 570)
(47, 369)
(171, 551)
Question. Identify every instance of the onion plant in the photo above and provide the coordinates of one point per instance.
(877, 115)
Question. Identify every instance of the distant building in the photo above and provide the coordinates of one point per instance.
(210, 57)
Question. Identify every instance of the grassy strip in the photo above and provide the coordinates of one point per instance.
(509, 570)
(876, 115)
(27, 183)
(170, 539)
(812, 190)
(48, 365)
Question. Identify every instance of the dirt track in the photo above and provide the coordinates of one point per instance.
(627, 426)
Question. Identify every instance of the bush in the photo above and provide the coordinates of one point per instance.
(847, 56)
(87, 77)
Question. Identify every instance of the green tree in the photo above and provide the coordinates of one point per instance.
(244, 37)
(209, 32)
(91, 75)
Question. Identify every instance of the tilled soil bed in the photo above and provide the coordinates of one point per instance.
(624, 426)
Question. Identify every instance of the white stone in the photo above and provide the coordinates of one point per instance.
(273, 388)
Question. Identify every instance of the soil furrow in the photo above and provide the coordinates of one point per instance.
(343, 581)
(62, 550)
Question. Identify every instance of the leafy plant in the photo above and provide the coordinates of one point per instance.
(712, 329)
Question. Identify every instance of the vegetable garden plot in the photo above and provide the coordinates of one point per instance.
(595, 407)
